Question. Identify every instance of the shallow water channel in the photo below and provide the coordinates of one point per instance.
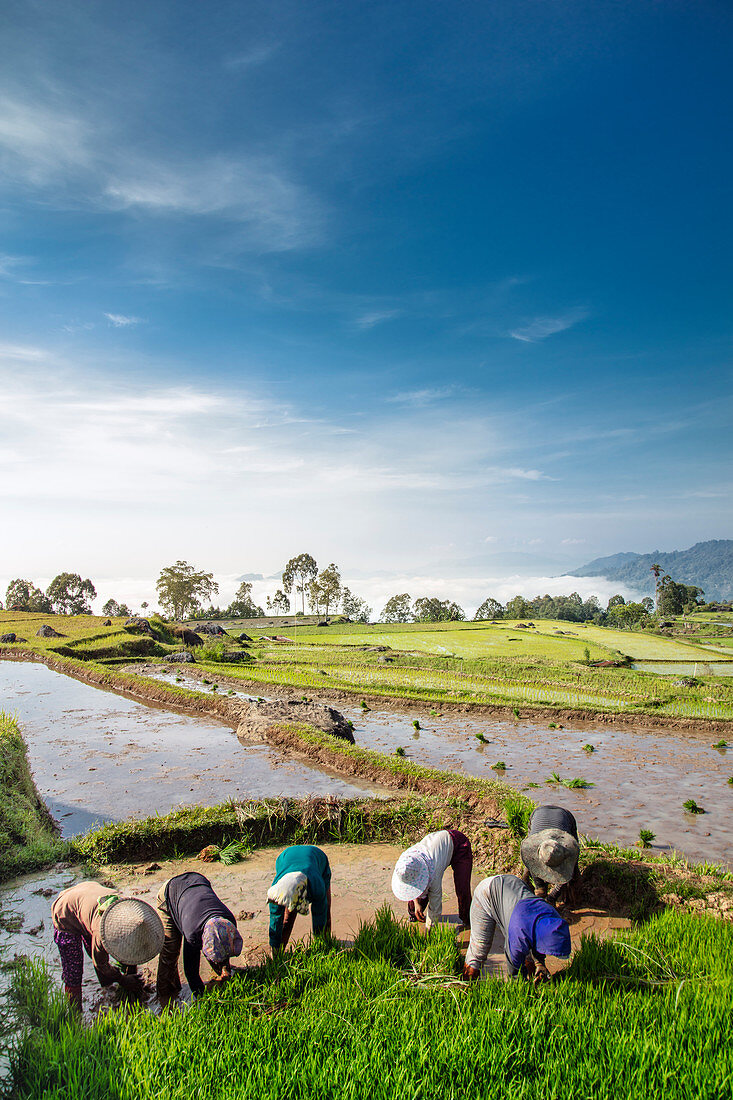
(98, 757)
(641, 776)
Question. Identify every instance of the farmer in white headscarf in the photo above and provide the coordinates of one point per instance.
(302, 879)
(418, 876)
(550, 853)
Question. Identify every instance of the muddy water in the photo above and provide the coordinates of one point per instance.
(641, 776)
(100, 757)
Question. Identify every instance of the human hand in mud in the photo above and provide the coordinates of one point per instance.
(419, 913)
(536, 971)
(132, 985)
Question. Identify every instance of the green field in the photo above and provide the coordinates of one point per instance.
(646, 1014)
(505, 665)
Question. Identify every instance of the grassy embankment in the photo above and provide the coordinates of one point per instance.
(503, 665)
(646, 1014)
(28, 837)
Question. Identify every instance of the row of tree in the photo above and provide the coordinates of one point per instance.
(67, 594)
(182, 592)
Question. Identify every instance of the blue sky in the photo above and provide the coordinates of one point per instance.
(440, 292)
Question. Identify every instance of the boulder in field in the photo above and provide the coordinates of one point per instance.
(8, 638)
(136, 625)
(244, 637)
(188, 637)
(255, 718)
(107, 622)
(235, 657)
(185, 657)
(46, 631)
(213, 629)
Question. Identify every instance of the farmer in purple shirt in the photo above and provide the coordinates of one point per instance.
(531, 928)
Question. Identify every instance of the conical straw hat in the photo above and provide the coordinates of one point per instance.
(131, 931)
(550, 855)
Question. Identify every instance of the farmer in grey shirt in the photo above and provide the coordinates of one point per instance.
(550, 852)
(531, 928)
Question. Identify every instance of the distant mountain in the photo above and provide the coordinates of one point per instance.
(706, 564)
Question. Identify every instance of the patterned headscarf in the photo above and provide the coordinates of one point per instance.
(291, 891)
(220, 940)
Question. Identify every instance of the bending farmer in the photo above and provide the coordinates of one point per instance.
(302, 878)
(418, 875)
(550, 852)
(90, 917)
(192, 914)
(531, 928)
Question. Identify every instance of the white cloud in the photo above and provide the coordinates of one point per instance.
(119, 320)
(74, 161)
(542, 327)
(572, 542)
(420, 398)
(376, 317)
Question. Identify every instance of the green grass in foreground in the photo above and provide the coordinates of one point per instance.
(646, 1015)
(28, 838)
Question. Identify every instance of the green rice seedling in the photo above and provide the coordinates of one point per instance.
(589, 748)
(552, 726)
(482, 738)
(350, 724)
(416, 724)
(214, 687)
(179, 679)
(531, 786)
(692, 807)
(580, 784)
(234, 852)
(553, 778)
(499, 766)
(518, 812)
(515, 712)
(646, 836)
(720, 745)
(400, 751)
(205, 681)
(730, 780)
(364, 705)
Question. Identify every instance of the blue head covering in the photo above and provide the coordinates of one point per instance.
(535, 926)
(552, 937)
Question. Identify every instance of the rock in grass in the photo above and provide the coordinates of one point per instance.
(256, 717)
(46, 631)
(210, 628)
(7, 637)
(107, 622)
(188, 637)
(235, 657)
(185, 657)
(136, 625)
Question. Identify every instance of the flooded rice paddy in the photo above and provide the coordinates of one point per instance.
(641, 776)
(99, 757)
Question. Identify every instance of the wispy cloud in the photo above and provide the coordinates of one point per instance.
(376, 317)
(258, 55)
(75, 161)
(420, 398)
(542, 327)
(120, 320)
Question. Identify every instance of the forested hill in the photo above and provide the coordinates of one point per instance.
(706, 564)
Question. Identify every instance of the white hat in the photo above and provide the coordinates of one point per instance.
(131, 931)
(551, 855)
(411, 876)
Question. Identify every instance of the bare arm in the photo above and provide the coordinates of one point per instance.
(288, 922)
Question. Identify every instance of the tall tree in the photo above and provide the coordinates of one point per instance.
(489, 609)
(355, 608)
(115, 610)
(429, 609)
(329, 587)
(279, 604)
(243, 606)
(397, 609)
(657, 570)
(298, 573)
(181, 588)
(70, 595)
(24, 596)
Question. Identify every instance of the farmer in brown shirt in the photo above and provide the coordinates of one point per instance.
(90, 917)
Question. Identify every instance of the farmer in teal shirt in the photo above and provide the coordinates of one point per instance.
(302, 878)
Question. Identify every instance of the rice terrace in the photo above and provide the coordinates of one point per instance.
(650, 921)
(366, 573)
